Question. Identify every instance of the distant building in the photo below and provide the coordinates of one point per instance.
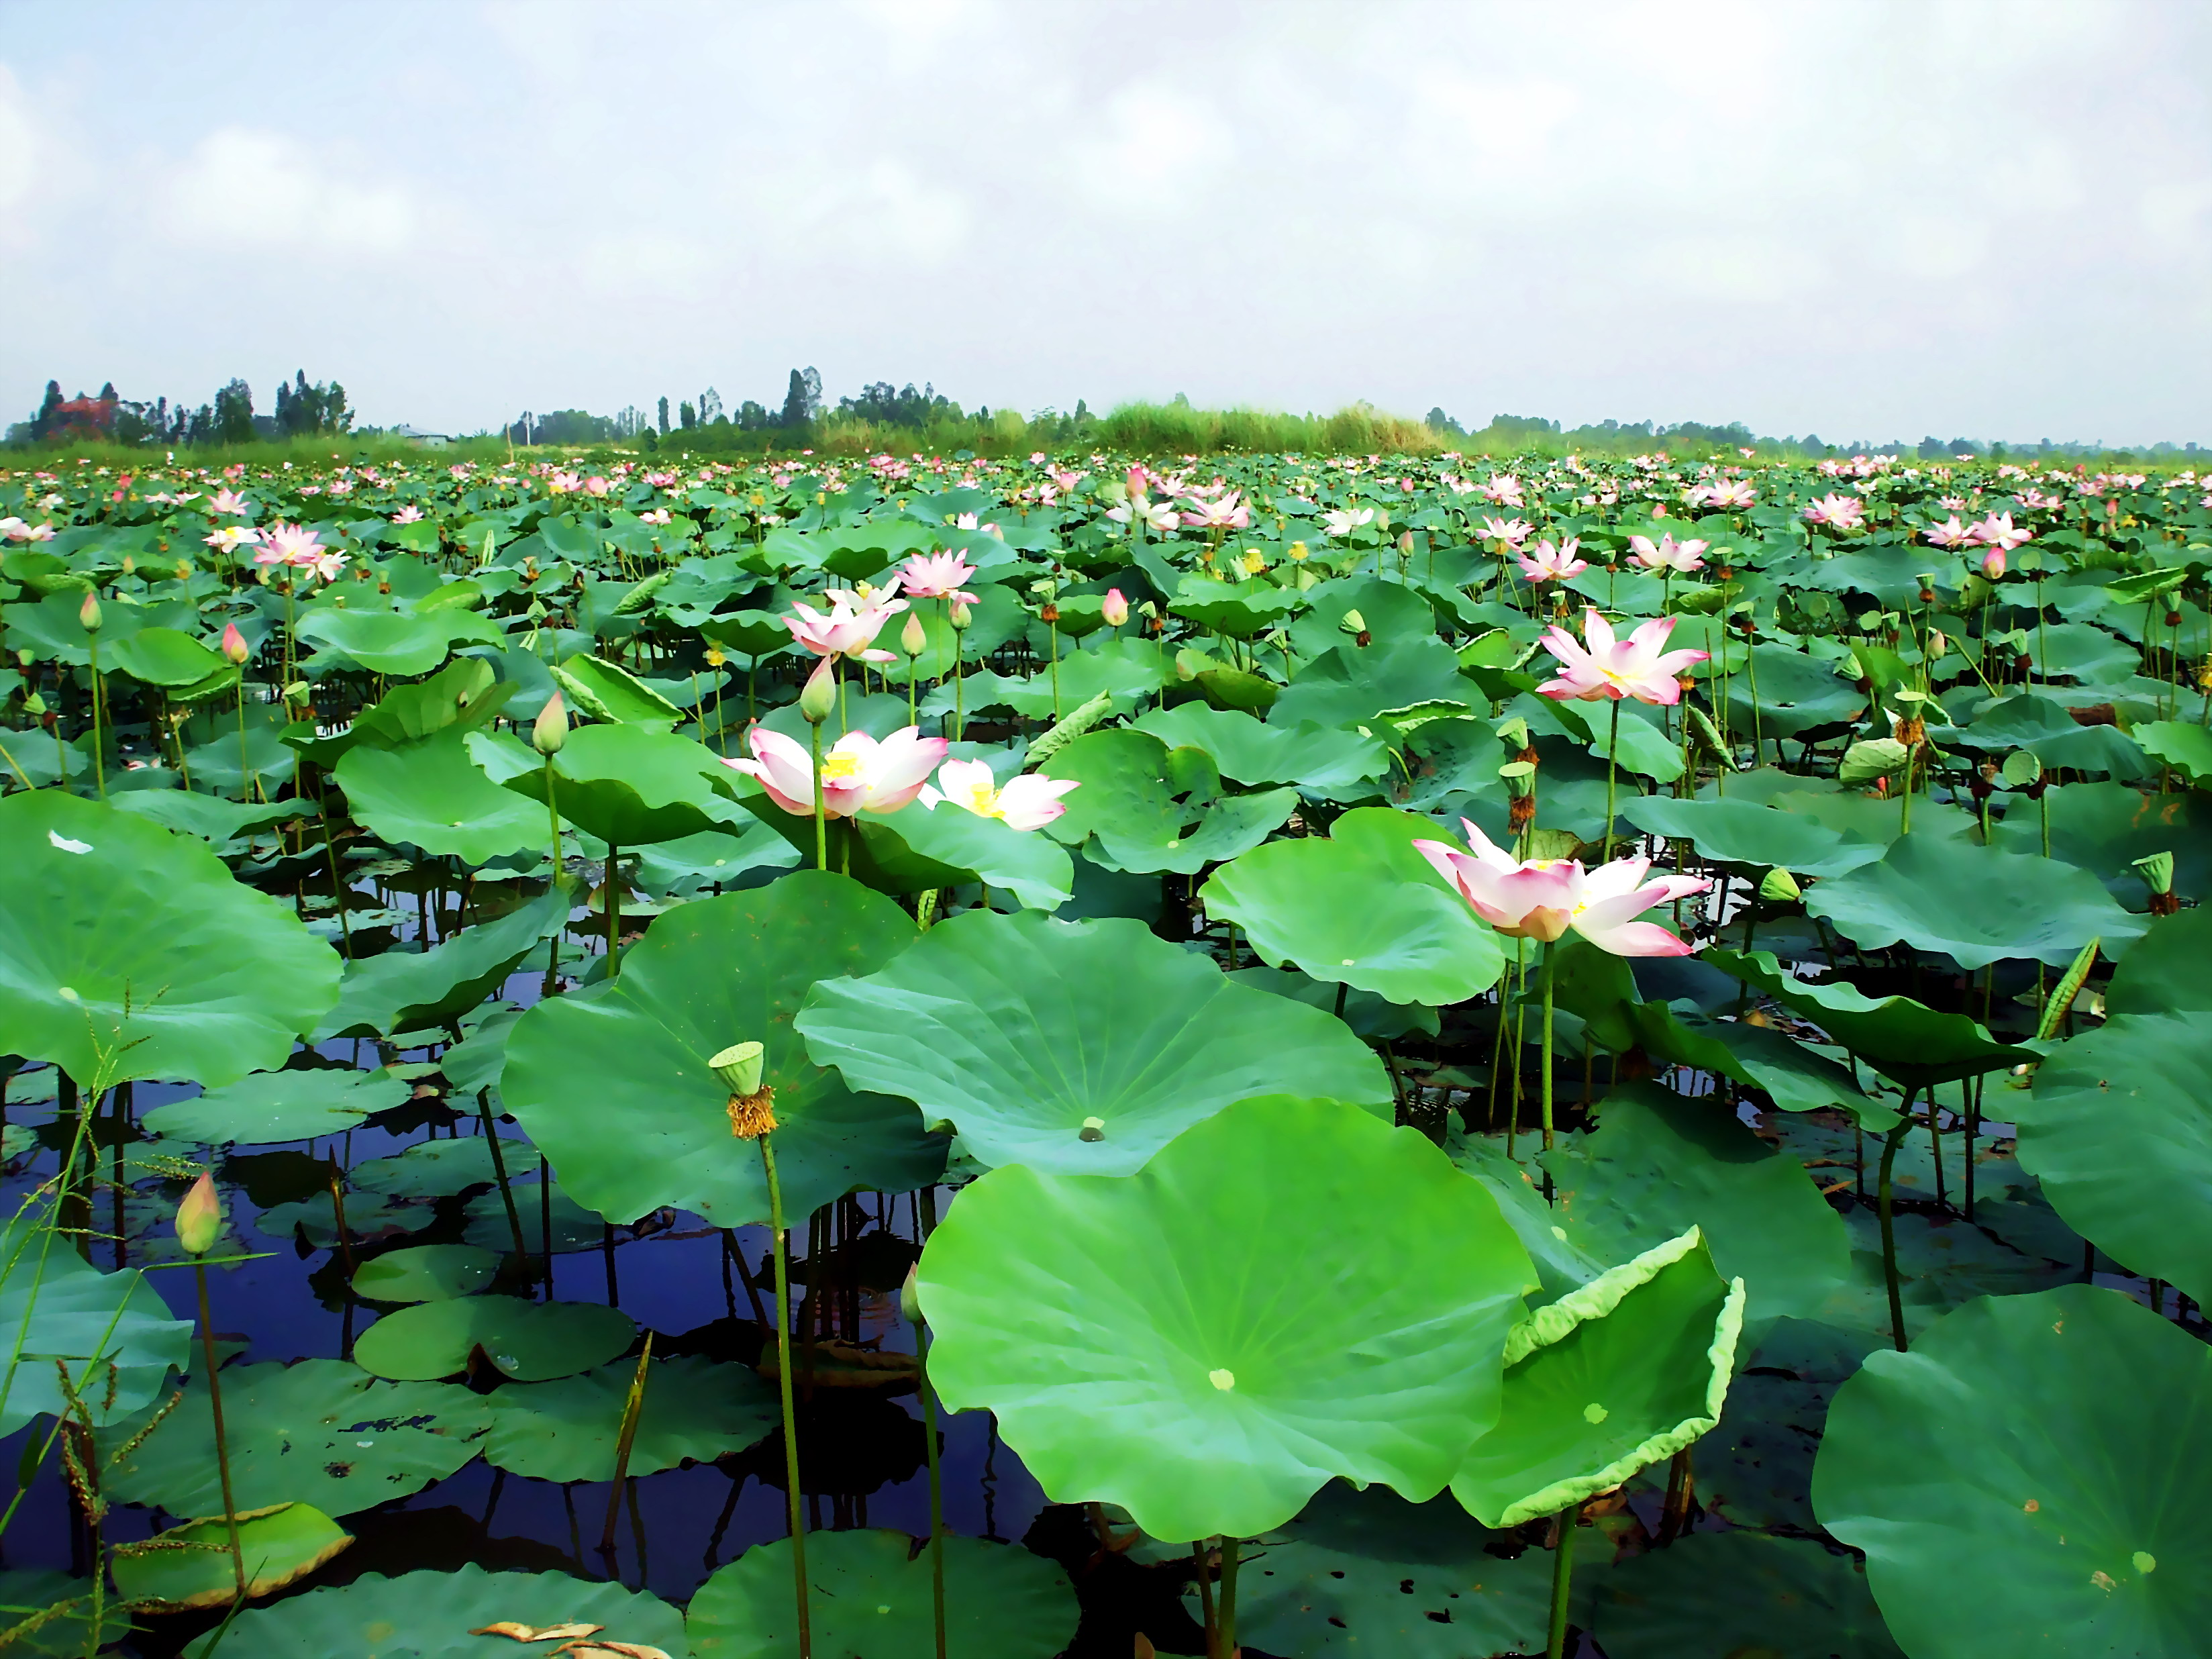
(81, 417)
(423, 440)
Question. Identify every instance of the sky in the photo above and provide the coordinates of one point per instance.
(1983, 218)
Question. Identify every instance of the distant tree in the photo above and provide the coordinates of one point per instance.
(1082, 411)
(752, 417)
(233, 414)
(1437, 421)
(794, 401)
(687, 416)
(812, 380)
(664, 417)
(43, 421)
(710, 405)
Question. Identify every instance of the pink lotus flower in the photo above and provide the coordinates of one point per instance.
(1843, 512)
(1158, 517)
(1504, 489)
(286, 544)
(936, 576)
(1511, 531)
(1998, 531)
(1727, 493)
(1027, 802)
(563, 484)
(230, 502)
(850, 628)
(1949, 533)
(1546, 898)
(1340, 522)
(1114, 609)
(1065, 481)
(1553, 561)
(1229, 513)
(1638, 667)
(407, 515)
(858, 774)
(659, 515)
(1667, 554)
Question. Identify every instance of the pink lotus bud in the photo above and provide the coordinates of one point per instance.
(233, 645)
(1115, 609)
(961, 614)
(1993, 563)
(1136, 481)
(820, 696)
(88, 614)
(551, 729)
(200, 1218)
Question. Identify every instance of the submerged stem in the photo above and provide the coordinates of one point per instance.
(221, 1442)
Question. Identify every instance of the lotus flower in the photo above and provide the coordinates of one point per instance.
(1544, 898)
(236, 650)
(851, 626)
(409, 514)
(858, 774)
(232, 536)
(1504, 489)
(1229, 513)
(1553, 561)
(1843, 512)
(1667, 554)
(1727, 493)
(230, 502)
(1340, 522)
(1027, 802)
(1638, 667)
(1511, 531)
(200, 1218)
(936, 576)
(1158, 517)
(1998, 532)
(1949, 533)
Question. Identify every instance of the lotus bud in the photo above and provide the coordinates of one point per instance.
(961, 614)
(740, 1068)
(1993, 563)
(1094, 1129)
(911, 1298)
(913, 638)
(818, 697)
(234, 645)
(1937, 643)
(88, 614)
(550, 730)
(1116, 609)
(1780, 887)
(200, 1218)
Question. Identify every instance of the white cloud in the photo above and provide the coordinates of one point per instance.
(19, 141)
(252, 191)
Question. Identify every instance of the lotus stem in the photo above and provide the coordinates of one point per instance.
(99, 759)
(1891, 1142)
(821, 821)
(783, 1374)
(1550, 972)
(1227, 1609)
(499, 1169)
(1562, 1573)
(614, 904)
(221, 1441)
(936, 1478)
(1612, 773)
(633, 1408)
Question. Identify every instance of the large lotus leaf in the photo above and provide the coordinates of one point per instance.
(1239, 610)
(1361, 908)
(410, 991)
(1185, 1343)
(1562, 1263)
(320, 1432)
(629, 786)
(2185, 745)
(1781, 691)
(1392, 610)
(2103, 828)
(2169, 971)
(918, 848)
(2028, 1479)
(1129, 671)
(279, 1547)
(1659, 1162)
(1759, 1057)
(210, 817)
(27, 1591)
(1372, 1018)
(612, 1084)
(569, 1430)
(1874, 818)
(2118, 1131)
(1740, 1593)
(164, 657)
(427, 1272)
(1366, 1572)
(1351, 686)
(432, 795)
(1730, 831)
(872, 1596)
(608, 692)
(388, 642)
(112, 1330)
(463, 695)
(1973, 904)
(440, 1168)
(1624, 1372)
(271, 1107)
(718, 858)
(1015, 1029)
(1899, 1037)
(1144, 807)
(430, 1614)
(1643, 748)
(529, 1341)
(127, 952)
(2081, 651)
(1320, 760)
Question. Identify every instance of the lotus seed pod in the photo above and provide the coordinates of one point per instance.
(1780, 887)
(200, 1218)
(550, 730)
(818, 697)
(740, 1068)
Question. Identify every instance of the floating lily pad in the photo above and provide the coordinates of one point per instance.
(271, 1107)
(321, 1432)
(427, 1272)
(529, 1341)
(872, 1596)
(2026, 1479)
(280, 1546)
(127, 952)
(1740, 1593)
(1015, 1029)
(612, 1084)
(574, 1227)
(113, 1330)
(440, 1168)
(26, 1592)
(1185, 1342)
(435, 795)
(568, 1430)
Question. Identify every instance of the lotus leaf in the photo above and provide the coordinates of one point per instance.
(1015, 1029)
(1741, 1593)
(1781, 692)
(427, 1272)
(319, 1432)
(1185, 1343)
(1370, 1017)
(1734, 831)
(25, 1591)
(529, 1341)
(1130, 672)
(113, 1330)
(574, 1227)
(918, 848)
(127, 952)
(1318, 760)
(1392, 611)
(462, 695)
(694, 1411)
(630, 785)
(210, 817)
(608, 692)
(871, 1596)
(405, 991)
(1145, 807)
(2025, 1480)
(433, 794)
(1351, 686)
(280, 1546)
(612, 1084)
(165, 657)
(2169, 971)
(1757, 1056)
(1874, 818)
(2182, 745)
(276, 1106)
(440, 1168)
(389, 643)
(2103, 828)
(1361, 908)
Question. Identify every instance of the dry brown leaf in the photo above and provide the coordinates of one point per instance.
(611, 1651)
(522, 1632)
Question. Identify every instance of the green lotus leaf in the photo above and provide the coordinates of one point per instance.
(1349, 686)
(916, 849)
(127, 952)
(1899, 1037)
(629, 786)
(1741, 1593)
(25, 1591)
(1973, 904)
(462, 696)
(368, 1216)
(434, 795)
(2169, 971)
(271, 1107)
(427, 1272)
(2104, 827)
(210, 817)
(574, 1227)
(441, 1168)
(608, 692)
(113, 1330)
(1658, 1162)
(1129, 671)
(1318, 760)
(1362, 1572)
(1370, 1017)
(1392, 611)
(280, 1546)
(718, 857)
(1185, 1343)
(1731, 831)
(1872, 817)
(162, 656)
(872, 1595)
(410, 991)
(2185, 745)
(1794, 1077)
(429, 1614)
(1645, 749)
(529, 1341)
(2025, 1480)
(388, 642)
(1563, 1264)
(1361, 908)
(319, 1432)
(1015, 1029)
(1624, 1372)
(694, 1410)
(1145, 807)
(1793, 693)
(2118, 1131)
(612, 1084)
(1239, 609)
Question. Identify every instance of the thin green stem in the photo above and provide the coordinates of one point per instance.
(1889, 1146)
(821, 821)
(783, 1390)
(221, 1441)
(1551, 971)
(936, 1480)
(1612, 773)
(99, 759)
(1563, 1573)
(614, 905)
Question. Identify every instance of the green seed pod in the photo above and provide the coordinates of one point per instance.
(740, 1068)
